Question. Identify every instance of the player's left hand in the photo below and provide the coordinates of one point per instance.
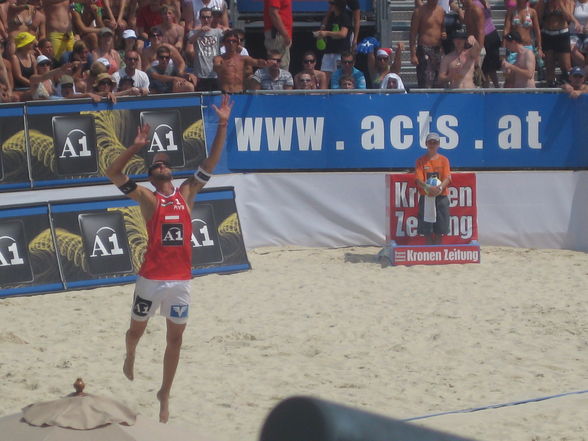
(224, 111)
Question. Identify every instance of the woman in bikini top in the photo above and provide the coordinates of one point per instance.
(525, 21)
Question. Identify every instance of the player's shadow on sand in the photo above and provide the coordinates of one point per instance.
(361, 258)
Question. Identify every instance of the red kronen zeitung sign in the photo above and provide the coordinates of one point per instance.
(407, 247)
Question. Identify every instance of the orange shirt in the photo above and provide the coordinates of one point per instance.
(425, 168)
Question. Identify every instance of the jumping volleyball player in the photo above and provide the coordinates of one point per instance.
(164, 277)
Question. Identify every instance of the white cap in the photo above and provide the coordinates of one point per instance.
(42, 58)
(433, 137)
(104, 61)
(129, 33)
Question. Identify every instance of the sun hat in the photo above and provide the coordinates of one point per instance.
(23, 38)
(101, 77)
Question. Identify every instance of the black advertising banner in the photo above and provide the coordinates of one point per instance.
(102, 241)
(217, 239)
(14, 171)
(73, 143)
(93, 241)
(28, 262)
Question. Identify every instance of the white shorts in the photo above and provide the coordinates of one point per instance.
(172, 297)
(330, 62)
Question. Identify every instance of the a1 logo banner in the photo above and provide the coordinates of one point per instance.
(403, 206)
(28, 263)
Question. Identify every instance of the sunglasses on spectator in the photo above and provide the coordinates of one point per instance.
(305, 80)
(347, 61)
(232, 40)
(132, 59)
(102, 83)
(381, 58)
(309, 61)
(163, 57)
(157, 34)
(205, 17)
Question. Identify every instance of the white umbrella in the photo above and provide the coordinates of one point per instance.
(86, 417)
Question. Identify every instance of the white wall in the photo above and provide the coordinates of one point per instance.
(521, 209)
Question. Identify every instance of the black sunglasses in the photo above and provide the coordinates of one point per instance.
(309, 61)
(347, 61)
(159, 164)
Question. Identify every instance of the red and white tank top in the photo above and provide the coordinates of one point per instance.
(169, 235)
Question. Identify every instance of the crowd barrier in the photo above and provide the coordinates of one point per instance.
(68, 143)
(82, 243)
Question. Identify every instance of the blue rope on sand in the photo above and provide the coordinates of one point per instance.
(496, 406)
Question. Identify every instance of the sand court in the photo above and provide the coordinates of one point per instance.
(332, 323)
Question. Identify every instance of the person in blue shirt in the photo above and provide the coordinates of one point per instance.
(347, 69)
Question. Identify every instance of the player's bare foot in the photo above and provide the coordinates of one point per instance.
(129, 367)
(163, 407)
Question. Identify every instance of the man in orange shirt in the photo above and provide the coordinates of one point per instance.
(433, 215)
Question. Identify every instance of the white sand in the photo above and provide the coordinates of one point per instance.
(403, 341)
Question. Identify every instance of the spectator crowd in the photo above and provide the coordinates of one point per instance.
(56, 49)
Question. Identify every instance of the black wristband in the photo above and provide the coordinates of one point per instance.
(128, 186)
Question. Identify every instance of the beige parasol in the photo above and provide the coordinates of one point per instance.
(86, 417)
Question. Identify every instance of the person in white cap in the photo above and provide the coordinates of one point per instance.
(130, 43)
(42, 83)
(433, 176)
(380, 64)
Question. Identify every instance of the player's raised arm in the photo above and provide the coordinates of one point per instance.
(204, 171)
(115, 170)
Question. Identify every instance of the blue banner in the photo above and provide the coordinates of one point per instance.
(373, 131)
(297, 5)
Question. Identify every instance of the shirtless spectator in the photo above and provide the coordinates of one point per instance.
(87, 20)
(165, 77)
(148, 17)
(272, 77)
(204, 43)
(173, 33)
(576, 85)
(231, 66)
(140, 78)
(426, 29)
(319, 78)
(522, 72)
(457, 67)
(59, 25)
(149, 54)
(191, 9)
(25, 16)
